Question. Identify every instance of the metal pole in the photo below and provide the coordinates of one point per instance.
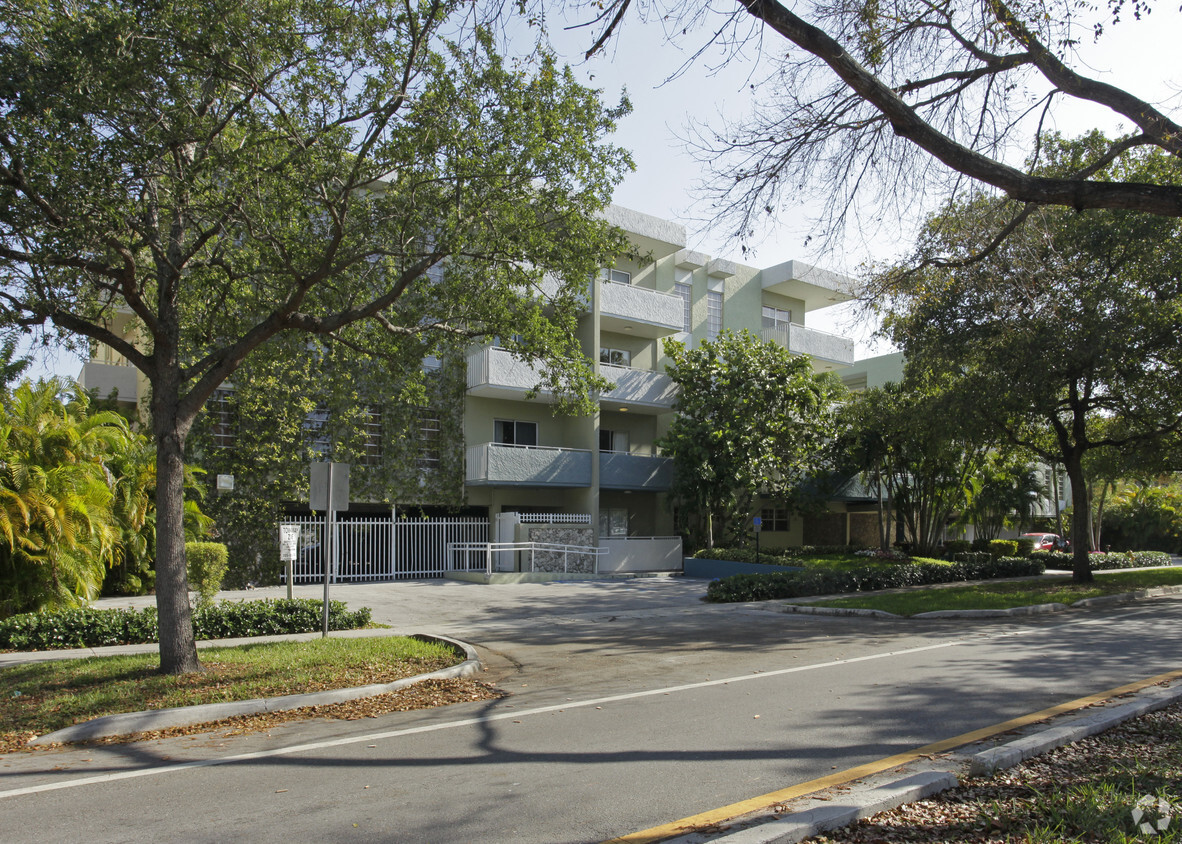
(328, 549)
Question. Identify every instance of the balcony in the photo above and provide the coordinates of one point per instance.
(620, 470)
(496, 464)
(641, 390)
(638, 310)
(497, 373)
(823, 347)
(105, 377)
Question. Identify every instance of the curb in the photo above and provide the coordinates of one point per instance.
(862, 801)
(878, 799)
(186, 716)
(1008, 755)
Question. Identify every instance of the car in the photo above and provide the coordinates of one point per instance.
(1046, 541)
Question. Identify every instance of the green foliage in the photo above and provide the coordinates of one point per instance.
(956, 546)
(1055, 325)
(207, 563)
(779, 556)
(1003, 547)
(751, 419)
(1025, 546)
(234, 173)
(1105, 562)
(1146, 517)
(58, 531)
(261, 436)
(822, 581)
(908, 445)
(92, 628)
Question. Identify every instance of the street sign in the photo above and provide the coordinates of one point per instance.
(758, 522)
(322, 476)
(289, 542)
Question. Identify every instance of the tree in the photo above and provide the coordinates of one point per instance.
(57, 530)
(1001, 494)
(228, 172)
(1069, 326)
(901, 98)
(751, 419)
(905, 440)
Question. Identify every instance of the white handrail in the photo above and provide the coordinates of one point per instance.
(489, 548)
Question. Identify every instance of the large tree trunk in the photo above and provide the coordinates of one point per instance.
(1081, 566)
(178, 650)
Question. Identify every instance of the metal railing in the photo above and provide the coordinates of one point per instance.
(475, 556)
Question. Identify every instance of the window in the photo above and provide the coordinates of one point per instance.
(613, 522)
(371, 434)
(616, 276)
(316, 431)
(511, 432)
(774, 518)
(685, 292)
(613, 440)
(713, 314)
(616, 357)
(430, 437)
(221, 415)
(776, 317)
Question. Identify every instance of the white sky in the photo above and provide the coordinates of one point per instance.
(1139, 56)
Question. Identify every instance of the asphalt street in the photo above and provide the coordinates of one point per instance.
(631, 704)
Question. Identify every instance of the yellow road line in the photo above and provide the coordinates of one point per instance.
(765, 801)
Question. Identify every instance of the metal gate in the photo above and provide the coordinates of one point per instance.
(380, 548)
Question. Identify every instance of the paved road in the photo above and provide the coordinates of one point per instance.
(632, 705)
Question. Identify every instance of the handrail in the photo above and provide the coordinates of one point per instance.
(489, 548)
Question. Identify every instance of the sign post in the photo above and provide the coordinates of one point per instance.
(289, 544)
(328, 491)
(757, 522)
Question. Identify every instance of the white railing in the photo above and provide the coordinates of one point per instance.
(554, 518)
(380, 548)
(477, 556)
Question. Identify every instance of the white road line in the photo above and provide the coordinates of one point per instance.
(518, 714)
(464, 722)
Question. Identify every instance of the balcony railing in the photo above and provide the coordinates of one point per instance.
(499, 373)
(819, 345)
(621, 470)
(498, 464)
(108, 377)
(643, 312)
(639, 388)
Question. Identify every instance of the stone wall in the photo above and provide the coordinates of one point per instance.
(554, 561)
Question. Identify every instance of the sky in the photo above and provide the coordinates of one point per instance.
(670, 89)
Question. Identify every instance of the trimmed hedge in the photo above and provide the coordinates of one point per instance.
(1106, 562)
(92, 628)
(773, 556)
(800, 584)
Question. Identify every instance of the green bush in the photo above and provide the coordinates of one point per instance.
(979, 545)
(1105, 562)
(1003, 548)
(800, 584)
(956, 546)
(777, 556)
(1025, 546)
(91, 628)
(207, 562)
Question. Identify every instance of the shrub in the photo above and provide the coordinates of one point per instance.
(980, 545)
(1003, 547)
(92, 628)
(207, 562)
(1105, 562)
(1025, 546)
(956, 546)
(778, 556)
(800, 584)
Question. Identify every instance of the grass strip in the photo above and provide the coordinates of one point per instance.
(41, 697)
(989, 596)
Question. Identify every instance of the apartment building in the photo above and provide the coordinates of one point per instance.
(520, 457)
